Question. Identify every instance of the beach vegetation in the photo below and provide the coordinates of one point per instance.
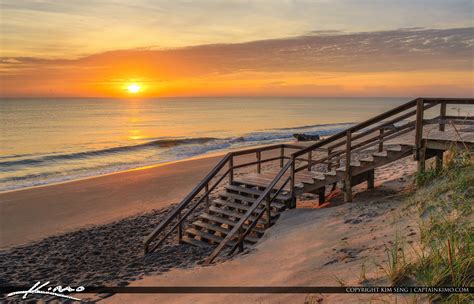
(445, 254)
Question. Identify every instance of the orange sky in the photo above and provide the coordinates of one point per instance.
(43, 47)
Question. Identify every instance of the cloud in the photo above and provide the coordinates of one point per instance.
(397, 50)
(324, 57)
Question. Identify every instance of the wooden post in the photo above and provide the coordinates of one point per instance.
(267, 211)
(292, 183)
(418, 128)
(231, 168)
(180, 229)
(282, 155)
(370, 179)
(241, 244)
(347, 179)
(259, 159)
(421, 164)
(439, 160)
(207, 194)
(329, 160)
(329, 168)
(381, 140)
(310, 159)
(442, 115)
(321, 195)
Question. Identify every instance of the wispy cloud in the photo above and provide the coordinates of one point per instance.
(319, 57)
(49, 28)
(397, 50)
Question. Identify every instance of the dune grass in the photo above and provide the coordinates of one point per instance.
(445, 255)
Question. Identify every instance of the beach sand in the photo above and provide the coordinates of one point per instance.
(32, 214)
(91, 232)
(309, 246)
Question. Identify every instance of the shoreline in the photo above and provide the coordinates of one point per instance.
(35, 213)
(219, 153)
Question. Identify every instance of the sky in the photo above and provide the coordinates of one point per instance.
(91, 48)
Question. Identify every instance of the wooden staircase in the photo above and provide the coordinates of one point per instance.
(361, 170)
(250, 203)
(225, 212)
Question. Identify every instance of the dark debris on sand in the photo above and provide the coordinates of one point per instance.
(107, 255)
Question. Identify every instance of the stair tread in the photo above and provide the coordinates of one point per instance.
(343, 168)
(263, 183)
(239, 206)
(331, 173)
(380, 154)
(210, 226)
(204, 234)
(228, 222)
(394, 148)
(367, 159)
(224, 231)
(251, 191)
(239, 197)
(320, 177)
(193, 241)
(231, 213)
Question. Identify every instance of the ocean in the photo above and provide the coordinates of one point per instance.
(45, 141)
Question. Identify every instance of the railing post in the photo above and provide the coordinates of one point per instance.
(231, 168)
(310, 159)
(241, 244)
(329, 168)
(207, 194)
(382, 131)
(292, 183)
(442, 115)
(347, 179)
(267, 211)
(418, 129)
(259, 159)
(180, 228)
(282, 155)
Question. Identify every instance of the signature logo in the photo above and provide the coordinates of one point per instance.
(57, 291)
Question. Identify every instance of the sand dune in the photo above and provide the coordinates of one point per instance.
(307, 247)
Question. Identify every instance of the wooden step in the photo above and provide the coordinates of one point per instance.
(194, 242)
(319, 177)
(237, 197)
(380, 154)
(367, 160)
(343, 168)
(330, 173)
(225, 221)
(240, 206)
(217, 228)
(232, 213)
(263, 183)
(394, 149)
(255, 192)
(214, 227)
(204, 235)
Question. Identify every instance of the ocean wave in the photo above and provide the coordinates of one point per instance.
(162, 143)
(59, 166)
(315, 126)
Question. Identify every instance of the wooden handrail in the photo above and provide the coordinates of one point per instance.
(259, 216)
(357, 127)
(347, 138)
(249, 212)
(227, 160)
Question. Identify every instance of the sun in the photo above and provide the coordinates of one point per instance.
(133, 88)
